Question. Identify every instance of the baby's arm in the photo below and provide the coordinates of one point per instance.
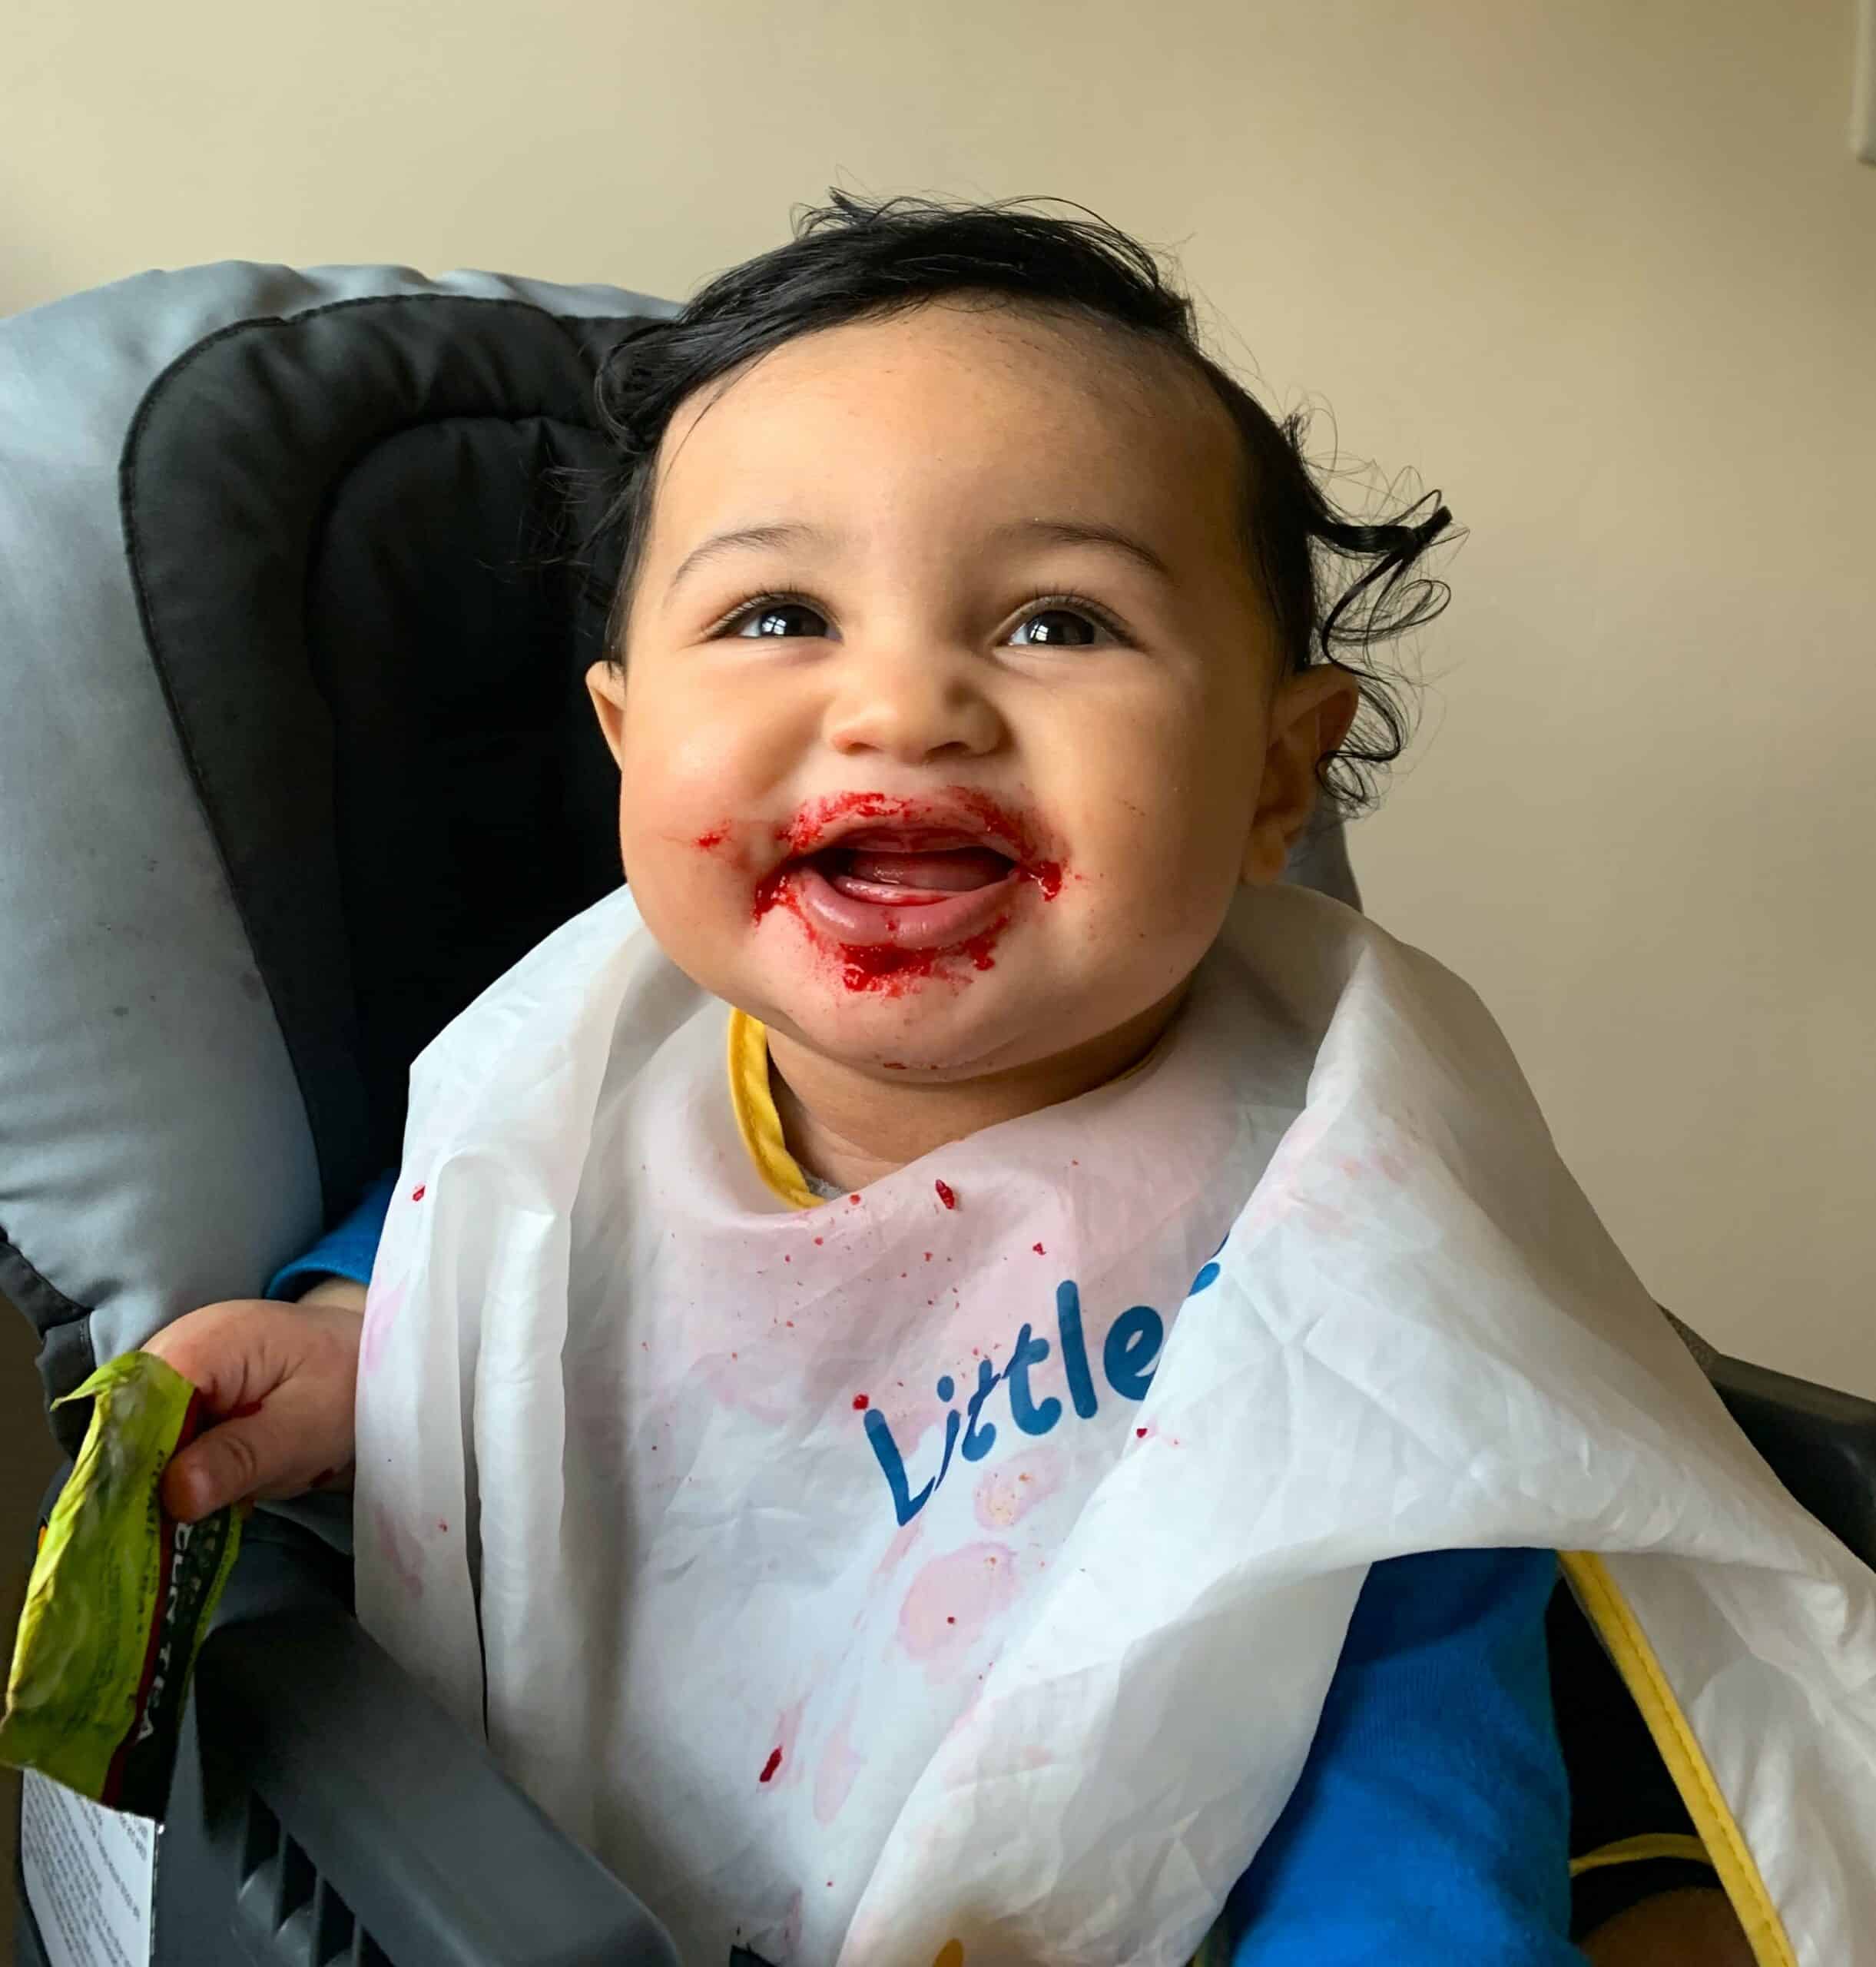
(1431, 1822)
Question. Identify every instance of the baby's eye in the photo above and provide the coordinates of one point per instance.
(781, 617)
(1060, 628)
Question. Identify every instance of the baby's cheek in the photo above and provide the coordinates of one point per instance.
(1154, 869)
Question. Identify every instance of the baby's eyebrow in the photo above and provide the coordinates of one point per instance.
(1087, 532)
(779, 532)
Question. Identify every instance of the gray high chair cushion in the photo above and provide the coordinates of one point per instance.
(230, 584)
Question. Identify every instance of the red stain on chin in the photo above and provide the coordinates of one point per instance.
(770, 1767)
(861, 1403)
(709, 842)
(880, 967)
(947, 1194)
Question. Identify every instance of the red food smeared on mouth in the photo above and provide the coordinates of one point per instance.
(814, 819)
(892, 905)
(710, 841)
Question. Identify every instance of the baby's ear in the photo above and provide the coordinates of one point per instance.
(1309, 717)
(605, 681)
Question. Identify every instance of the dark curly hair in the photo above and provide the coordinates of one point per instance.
(1337, 588)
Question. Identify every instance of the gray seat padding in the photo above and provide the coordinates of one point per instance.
(289, 669)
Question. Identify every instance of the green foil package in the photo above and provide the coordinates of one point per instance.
(120, 1596)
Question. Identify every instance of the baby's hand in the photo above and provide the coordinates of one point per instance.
(278, 1381)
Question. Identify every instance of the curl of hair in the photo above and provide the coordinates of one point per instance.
(1339, 588)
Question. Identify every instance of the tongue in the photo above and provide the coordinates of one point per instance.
(904, 879)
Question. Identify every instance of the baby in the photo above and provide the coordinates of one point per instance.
(978, 640)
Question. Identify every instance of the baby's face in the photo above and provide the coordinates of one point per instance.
(948, 691)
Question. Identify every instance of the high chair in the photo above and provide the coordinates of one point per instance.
(295, 757)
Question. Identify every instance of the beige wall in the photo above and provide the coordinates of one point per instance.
(1605, 269)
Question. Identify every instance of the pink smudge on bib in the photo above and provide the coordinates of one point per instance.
(1012, 1489)
(399, 1552)
(838, 1767)
(951, 1602)
(895, 1552)
(382, 1303)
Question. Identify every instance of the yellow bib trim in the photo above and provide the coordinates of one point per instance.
(1726, 1848)
(754, 1104)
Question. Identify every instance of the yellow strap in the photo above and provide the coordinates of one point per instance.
(1724, 1845)
(1642, 1850)
(756, 1116)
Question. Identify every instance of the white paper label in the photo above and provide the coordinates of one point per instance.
(90, 1873)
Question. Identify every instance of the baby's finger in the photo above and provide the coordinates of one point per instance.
(225, 1464)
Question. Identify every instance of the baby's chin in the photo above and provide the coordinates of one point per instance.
(931, 1030)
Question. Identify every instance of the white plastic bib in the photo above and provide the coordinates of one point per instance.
(961, 1565)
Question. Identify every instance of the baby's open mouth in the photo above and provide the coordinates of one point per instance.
(876, 873)
(895, 869)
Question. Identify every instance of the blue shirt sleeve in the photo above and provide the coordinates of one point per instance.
(345, 1250)
(1431, 1822)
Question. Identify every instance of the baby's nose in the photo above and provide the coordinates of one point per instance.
(911, 706)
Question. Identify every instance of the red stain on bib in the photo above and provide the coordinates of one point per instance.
(947, 1194)
(770, 1767)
